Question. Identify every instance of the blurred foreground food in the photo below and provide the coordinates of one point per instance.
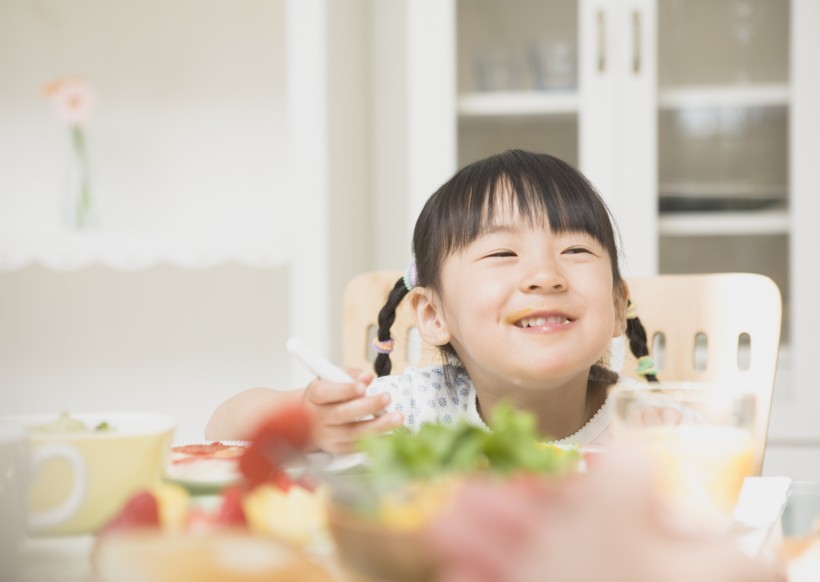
(275, 525)
(142, 555)
(412, 475)
(266, 527)
(412, 478)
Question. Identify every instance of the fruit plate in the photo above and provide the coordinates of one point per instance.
(220, 555)
(205, 467)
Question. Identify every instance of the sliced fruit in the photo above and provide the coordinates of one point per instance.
(230, 512)
(141, 510)
(283, 437)
(173, 501)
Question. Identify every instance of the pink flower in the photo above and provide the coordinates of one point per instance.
(72, 98)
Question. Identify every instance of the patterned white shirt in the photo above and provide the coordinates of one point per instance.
(423, 395)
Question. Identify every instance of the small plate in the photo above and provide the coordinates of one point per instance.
(210, 473)
(206, 471)
(335, 463)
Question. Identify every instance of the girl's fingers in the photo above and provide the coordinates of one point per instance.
(350, 433)
(379, 424)
(360, 375)
(352, 410)
(343, 438)
(321, 392)
(325, 392)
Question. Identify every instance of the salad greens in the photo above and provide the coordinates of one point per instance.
(512, 445)
(65, 423)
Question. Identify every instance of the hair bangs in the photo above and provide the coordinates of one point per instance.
(549, 199)
(536, 189)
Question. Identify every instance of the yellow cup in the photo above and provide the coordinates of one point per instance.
(698, 439)
(78, 480)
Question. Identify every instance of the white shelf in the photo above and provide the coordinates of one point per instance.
(771, 222)
(134, 251)
(518, 103)
(773, 95)
(735, 189)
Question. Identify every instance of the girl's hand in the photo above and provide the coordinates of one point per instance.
(344, 414)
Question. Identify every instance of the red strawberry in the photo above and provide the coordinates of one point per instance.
(198, 520)
(230, 512)
(141, 510)
(281, 479)
(284, 436)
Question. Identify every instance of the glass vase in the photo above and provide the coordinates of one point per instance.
(81, 212)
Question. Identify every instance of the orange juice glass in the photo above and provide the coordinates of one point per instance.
(698, 439)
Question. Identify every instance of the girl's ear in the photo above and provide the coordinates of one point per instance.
(620, 302)
(429, 316)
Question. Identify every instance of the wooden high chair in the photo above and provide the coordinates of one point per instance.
(363, 298)
(722, 328)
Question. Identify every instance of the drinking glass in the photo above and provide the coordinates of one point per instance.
(745, 19)
(698, 439)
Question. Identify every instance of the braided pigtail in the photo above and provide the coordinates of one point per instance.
(383, 342)
(638, 345)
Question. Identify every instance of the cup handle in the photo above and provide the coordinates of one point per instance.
(75, 498)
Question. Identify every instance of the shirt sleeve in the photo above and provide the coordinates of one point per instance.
(424, 395)
(399, 387)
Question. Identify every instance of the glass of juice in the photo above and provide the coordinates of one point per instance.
(699, 439)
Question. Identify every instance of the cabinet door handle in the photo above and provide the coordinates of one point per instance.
(601, 25)
(636, 42)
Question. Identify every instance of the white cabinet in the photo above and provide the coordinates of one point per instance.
(699, 122)
(576, 79)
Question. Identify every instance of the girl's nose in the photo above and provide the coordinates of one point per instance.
(543, 276)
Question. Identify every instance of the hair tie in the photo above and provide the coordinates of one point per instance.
(383, 347)
(631, 312)
(646, 366)
(411, 276)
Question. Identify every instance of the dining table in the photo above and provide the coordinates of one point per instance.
(796, 520)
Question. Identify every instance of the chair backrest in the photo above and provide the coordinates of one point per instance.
(720, 328)
(364, 295)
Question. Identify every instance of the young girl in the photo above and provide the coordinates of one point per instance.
(516, 278)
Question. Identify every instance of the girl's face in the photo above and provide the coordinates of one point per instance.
(525, 307)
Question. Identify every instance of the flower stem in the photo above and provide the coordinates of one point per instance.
(84, 204)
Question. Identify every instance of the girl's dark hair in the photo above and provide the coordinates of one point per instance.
(544, 191)
(638, 345)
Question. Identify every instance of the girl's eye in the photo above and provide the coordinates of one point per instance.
(577, 250)
(501, 254)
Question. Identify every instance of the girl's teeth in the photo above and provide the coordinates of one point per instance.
(540, 321)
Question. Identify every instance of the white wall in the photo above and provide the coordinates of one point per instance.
(208, 130)
(162, 339)
(350, 203)
(189, 139)
(190, 126)
(413, 117)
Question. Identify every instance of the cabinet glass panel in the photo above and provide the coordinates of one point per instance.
(478, 138)
(516, 45)
(723, 156)
(517, 77)
(708, 42)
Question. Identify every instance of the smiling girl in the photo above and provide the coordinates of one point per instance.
(516, 279)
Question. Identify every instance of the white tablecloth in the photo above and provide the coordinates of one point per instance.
(55, 559)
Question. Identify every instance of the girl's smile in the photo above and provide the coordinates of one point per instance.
(528, 309)
(531, 318)
(516, 278)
